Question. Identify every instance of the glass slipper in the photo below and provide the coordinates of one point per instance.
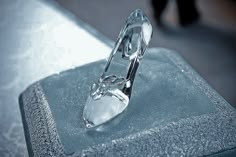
(110, 95)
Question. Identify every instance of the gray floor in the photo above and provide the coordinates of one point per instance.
(209, 46)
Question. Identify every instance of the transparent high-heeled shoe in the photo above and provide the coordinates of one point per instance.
(110, 95)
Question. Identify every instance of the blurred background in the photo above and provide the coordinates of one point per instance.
(37, 40)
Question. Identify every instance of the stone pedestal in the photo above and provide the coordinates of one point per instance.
(173, 111)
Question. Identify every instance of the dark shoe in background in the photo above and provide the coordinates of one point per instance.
(158, 8)
(188, 13)
(187, 10)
